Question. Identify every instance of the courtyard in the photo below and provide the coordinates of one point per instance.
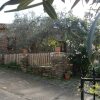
(15, 85)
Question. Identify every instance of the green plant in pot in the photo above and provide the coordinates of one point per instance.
(67, 74)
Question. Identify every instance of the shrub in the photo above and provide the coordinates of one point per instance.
(97, 71)
(80, 61)
(12, 65)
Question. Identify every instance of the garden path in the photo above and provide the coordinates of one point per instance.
(15, 85)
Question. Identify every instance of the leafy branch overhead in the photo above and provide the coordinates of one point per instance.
(47, 4)
(24, 4)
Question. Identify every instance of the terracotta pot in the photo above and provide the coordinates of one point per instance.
(66, 76)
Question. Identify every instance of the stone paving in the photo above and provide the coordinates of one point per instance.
(15, 85)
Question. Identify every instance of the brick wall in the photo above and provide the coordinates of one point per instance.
(3, 38)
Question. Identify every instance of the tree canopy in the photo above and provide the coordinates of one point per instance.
(42, 34)
(47, 4)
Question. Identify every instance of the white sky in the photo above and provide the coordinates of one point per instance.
(60, 6)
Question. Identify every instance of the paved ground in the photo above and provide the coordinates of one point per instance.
(16, 85)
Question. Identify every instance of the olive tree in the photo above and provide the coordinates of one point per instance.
(47, 4)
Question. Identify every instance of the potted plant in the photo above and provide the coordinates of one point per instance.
(67, 75)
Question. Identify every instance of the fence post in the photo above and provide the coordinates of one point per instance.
(94, 83)
(82, 85)
(93, 80)
(82, 88)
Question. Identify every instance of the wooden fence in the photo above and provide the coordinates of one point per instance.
(40, 59)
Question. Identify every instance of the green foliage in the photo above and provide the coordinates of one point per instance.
(11, 65)
(38, 34)
(80, 60)
(97, 70)
(91, 36)
(52, 42)
(87, 1)
(49, 9)
(91, 89)
(75, 3)
(24, 3)
(50, 1)
(30, 69)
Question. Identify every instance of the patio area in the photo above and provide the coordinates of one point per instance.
(15, 85)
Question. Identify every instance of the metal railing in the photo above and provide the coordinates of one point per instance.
(93, 80)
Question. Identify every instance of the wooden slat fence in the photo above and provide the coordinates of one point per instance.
(12, 58)
(40, 59)
(0, 56)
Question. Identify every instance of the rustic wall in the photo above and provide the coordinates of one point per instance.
(3, 38)
(45, 64)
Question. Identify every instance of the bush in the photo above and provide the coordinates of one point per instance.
(80, 61)
(97, 71)
(11, 65)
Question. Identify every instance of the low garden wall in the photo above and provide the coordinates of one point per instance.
(44, 64)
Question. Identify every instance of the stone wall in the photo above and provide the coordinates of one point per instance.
(59, 65)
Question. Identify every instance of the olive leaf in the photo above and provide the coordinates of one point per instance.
(94, 1)
(24, 3)
(49, 9)
(75, 3)
(86, 1)
(63, 1)
(30, 6)
(50, 1)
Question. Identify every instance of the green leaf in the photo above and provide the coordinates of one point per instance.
(50, 1)
(49, 9)
(91, 36)
(12, 10)
(86, 1)
(94, 1)
(63, 1)
(98, 10)
(24, 3)
(31, 6)
(75, 3)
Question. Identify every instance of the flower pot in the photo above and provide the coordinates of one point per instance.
(66, 76)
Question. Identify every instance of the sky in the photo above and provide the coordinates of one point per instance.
(79, 10)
